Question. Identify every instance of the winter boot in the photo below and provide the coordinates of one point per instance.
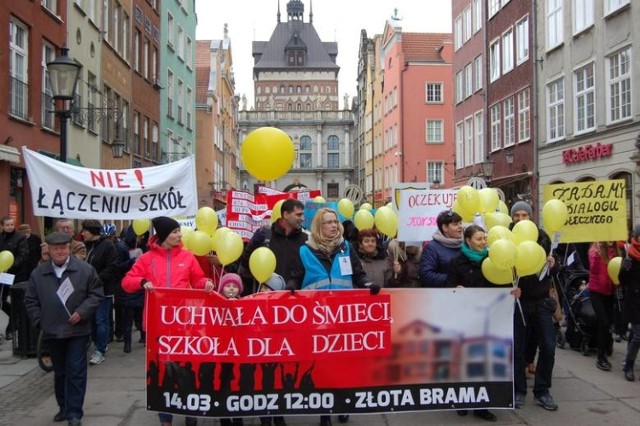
(628, 370)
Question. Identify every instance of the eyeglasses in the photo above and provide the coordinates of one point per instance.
(330, 222)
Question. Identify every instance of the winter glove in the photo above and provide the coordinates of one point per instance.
(374, 289)
(627, 263)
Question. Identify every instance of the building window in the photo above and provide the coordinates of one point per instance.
(467, 24)
(509, 121)
(48, 119)
(188, 109)
(507, 51)
(305, 152)
(584, 99)
(468, 80)
(18, 62)
(105, 20)
(434, 93)
(435, 172)
(555, 110)
(494, 7)
(554, 23)
(136, 50)
(333, 190)
(180, 43)
(613, 5)
(92, 89)
(145, 59)
(170, 93)
(619, 86)
(495, 127)
(125, 36)
(136, 133)
(524, 122)
(522, 40)
(333, 158)
(170, 30)
(494, 61)
(582, 15)
(479, 142)
(460, 145)
(468, 141)
(477, 72)
(457, 33)
(434, 131)
(477, 15)
(51, 5)
(459, 87)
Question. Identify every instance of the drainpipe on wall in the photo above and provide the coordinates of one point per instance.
(535, 191)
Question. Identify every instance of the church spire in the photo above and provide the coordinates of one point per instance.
(311, 11)
(278, 11)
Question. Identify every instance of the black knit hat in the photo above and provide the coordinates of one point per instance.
(164, 226)
(93, 226)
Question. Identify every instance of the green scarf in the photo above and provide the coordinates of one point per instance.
(474, 255)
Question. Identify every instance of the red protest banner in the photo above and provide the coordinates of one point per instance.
(345, 351)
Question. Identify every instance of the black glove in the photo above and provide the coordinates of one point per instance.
(291, 287)
(627, 263)
(374, 289)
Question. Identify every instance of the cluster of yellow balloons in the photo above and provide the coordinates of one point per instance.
(486, 201)
(385, 219)
(6, 260)
(267, 153)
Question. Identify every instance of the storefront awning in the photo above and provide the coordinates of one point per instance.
(9, 153)
(506, 180)
(55, 156)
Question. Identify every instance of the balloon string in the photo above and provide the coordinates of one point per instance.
(516, 281)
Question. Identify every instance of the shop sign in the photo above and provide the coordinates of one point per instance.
(586, 153)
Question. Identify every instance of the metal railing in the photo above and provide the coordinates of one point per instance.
(294, 115)
(18, 98)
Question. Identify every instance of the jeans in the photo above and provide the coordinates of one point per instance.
(101, 325)
(69, 359)
(539, 322)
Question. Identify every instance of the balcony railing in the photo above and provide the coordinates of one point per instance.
(294, 115)
(18, 98)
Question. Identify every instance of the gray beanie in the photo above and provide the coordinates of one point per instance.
(522, 205)
(275, 282)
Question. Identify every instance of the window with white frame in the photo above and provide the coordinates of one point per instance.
(459, 87)
(524, 123)
(136, 50)
(51, 5)
(554, 23)
(434, 93)
(180, 101)
(494, 61)
(478, 145)
(555, 110)
(468, 141)
(477, 72)
(189, 53)
(116, 29)
(460, 145)
(613, 5)
(125, 36)
(92, 89)
(170, 30)
(333, 152)
(48, 55)
(584, 99)
(154, 66)
(619, 85)
(145, 136)
(507, 51)
(496, 142)
(180, 42)
(188, 108)
(522, 40)
(170, 93)
(435, 171)
(509, 122)
(145, 58)
(466, 15)
(494, 7)
(435, 131)
(468, 80)
(18, 69)
(136, 132)
(105, 20)
(477, 15)
(457, 33)
(582, 15)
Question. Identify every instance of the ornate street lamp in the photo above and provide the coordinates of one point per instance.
(487, 169)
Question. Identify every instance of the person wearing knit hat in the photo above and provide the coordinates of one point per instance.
(230, 286)
(164, 226)
(519, 206)
(92, 226)
(274, 283)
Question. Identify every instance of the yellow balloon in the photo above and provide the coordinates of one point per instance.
(363, 219)
(6, 260)
(366, 206)
(499, 232)
(488, 200)
(386, 221)
(613, 269)
(495, 275)
(466, 217)
(554, 215)
(206, 220)
(140, 226)
(345, 208)
(276, 211)
(319, 199)
(217, 235)
(267, 153)
(390, 205)
(187, 234)
(525, 230)
(469, 200)
(229, 248)
(530, 258)
(199, 243)
(502, 207)
(503, 254)
(262, 263)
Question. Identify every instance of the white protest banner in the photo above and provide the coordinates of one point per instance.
(61, 190)
(418, 210)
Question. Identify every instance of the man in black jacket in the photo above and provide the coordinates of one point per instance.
(16, 243)
(61, 299)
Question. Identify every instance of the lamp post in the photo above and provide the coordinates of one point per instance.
(487, 169)
(64, 73)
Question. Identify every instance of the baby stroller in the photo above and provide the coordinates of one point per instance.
(581, 323)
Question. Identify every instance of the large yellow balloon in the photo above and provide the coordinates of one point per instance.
(345, 208)
(499, 232)
(187, 234)
(525, 230)
(267, 153)
(6, 260)
(495, 275)
(276, 211)
(229, 248)
(319, 199)
(206, 220)
(502, 207)
(503, 254)
(199, 243)
(366, 206)
(386, 221)
(466, 217)
(216, 237)
(554, 215)
(363, 219)
(495, 219)
(530, 258)
(469, 200)
(140, 226)
(488, 200)
(613, 269)
(262, 263)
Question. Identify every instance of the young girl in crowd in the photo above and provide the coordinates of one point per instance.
(230, 286)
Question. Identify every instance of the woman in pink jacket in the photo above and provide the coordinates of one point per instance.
(166, 264)
(602, 289)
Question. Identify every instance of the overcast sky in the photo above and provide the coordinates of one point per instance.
(334, 20)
